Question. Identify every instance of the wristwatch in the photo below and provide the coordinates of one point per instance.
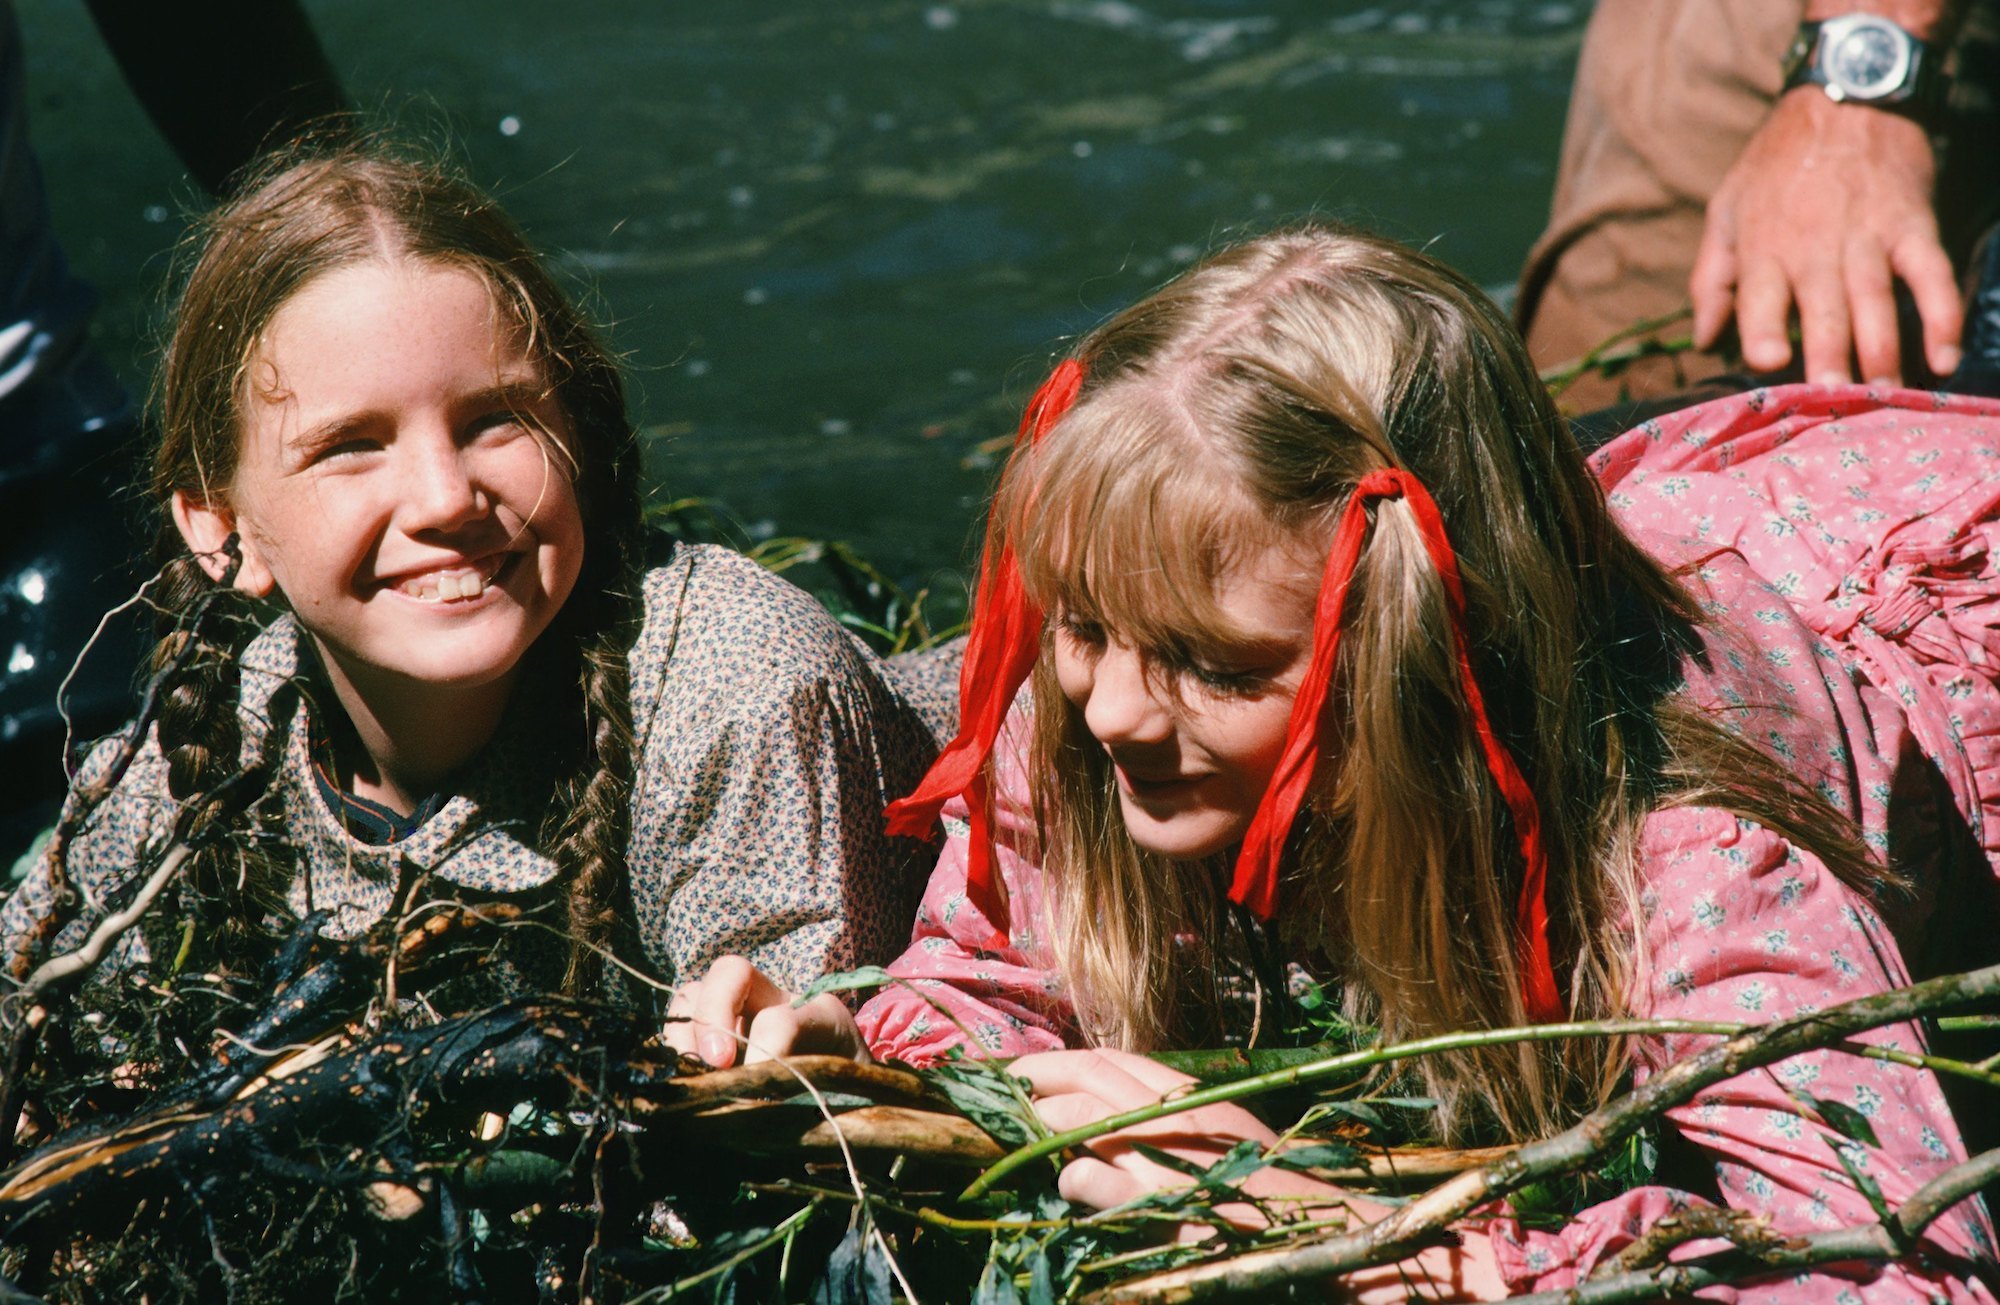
(1864, 59)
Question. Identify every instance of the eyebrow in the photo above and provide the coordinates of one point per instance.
(515, 396)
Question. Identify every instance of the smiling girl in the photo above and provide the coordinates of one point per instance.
(396, 468)
(1342, 666)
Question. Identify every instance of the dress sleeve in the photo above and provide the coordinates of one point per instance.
(109, 847)
(1742, 926)
(771, 748)
(953, 990)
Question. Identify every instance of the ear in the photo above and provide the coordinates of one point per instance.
(206, 525)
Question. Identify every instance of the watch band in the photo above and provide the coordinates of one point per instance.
(1917, 94)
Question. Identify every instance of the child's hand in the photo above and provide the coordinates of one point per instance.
(735, 1003)
(1073, 1088)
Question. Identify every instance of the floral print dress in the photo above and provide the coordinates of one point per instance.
(766, 738)
(1843, 542)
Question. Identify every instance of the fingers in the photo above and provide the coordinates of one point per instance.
(712, 1013)
(1095, 1183)
(773, 1032)
(1712, 286)
(1068, 1110)
(1824, 333)
(823, 1026)
(1763, 311)
(1824, 210)
(1871, 297)
(1926, 270)
(1122, 1080)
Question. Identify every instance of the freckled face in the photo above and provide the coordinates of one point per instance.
(403, 479)
(1194, 743)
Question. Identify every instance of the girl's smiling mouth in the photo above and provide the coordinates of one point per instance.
(1143, 784)
(456, 583)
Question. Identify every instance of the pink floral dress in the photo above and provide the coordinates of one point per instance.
(1844, 542)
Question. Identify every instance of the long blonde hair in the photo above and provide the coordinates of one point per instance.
(1233, 411)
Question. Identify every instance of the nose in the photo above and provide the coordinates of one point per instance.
(1124, 705)
(439, 490)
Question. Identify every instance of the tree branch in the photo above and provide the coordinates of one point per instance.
(1418, 1224)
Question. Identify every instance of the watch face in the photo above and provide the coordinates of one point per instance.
(1867, 62)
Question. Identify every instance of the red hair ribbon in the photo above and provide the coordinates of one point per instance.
(1256, 881)
(1006, 638)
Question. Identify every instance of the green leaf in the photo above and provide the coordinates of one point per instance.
(996, 1287)
(1864, 1184)
(32, 857)
(1242, 1160)
(1041, 1284)
(1168, 1160)
(1636, 1163)
(857, 1273)
(1360, 1111)
(1546, 1203)
(1404, 1103)
(1222, 1177)
(987, 1097)
(1317, 1155)
(1840, 1117)
(512, 1178)
(858, 980)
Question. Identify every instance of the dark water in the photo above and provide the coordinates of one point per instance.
(839, 241)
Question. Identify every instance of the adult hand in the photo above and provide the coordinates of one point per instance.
(735, 1003)
(1074, 1088)
(1828, 206)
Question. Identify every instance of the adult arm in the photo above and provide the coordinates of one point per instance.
(1829, 206)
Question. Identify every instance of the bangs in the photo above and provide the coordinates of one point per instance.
(1127, 516)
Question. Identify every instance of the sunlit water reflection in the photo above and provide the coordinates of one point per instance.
(838, 242)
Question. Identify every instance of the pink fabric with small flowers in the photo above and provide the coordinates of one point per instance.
(1843, 541)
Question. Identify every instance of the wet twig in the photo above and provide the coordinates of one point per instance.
(1424, 1220)
(1759, 1255)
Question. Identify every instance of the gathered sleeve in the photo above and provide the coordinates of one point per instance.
(955, 991)
(1741, 926)
(110, 847)
(768, 744)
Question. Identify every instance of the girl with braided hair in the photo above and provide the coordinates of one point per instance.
(1342, 663)
(403, 498)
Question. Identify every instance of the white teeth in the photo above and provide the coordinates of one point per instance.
(447, 586)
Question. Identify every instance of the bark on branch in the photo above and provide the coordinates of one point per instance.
(1421, 1222)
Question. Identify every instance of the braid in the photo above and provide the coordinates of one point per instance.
(594, 805)
(230, 883)
(591, 847)
(198, 730)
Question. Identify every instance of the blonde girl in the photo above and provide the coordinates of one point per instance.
(407, 590)
(1342, 663)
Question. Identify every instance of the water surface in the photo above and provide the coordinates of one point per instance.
(839, 243)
